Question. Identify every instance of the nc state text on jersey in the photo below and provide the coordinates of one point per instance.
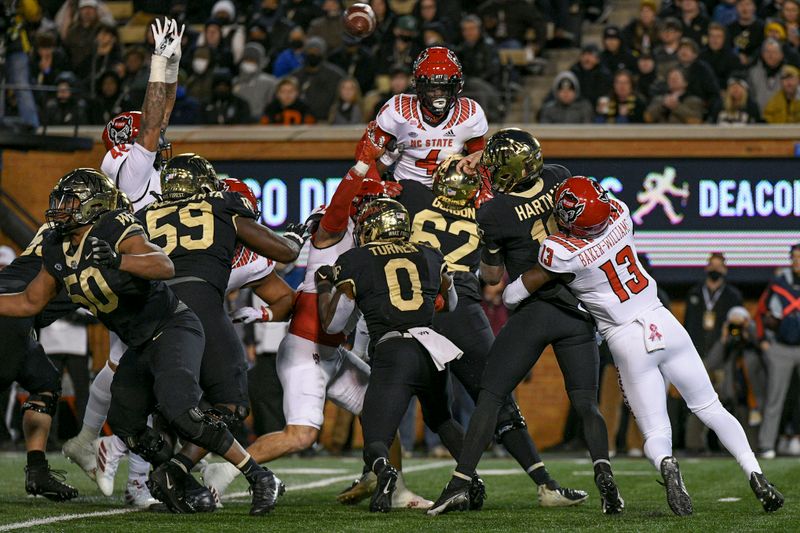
(430, 143)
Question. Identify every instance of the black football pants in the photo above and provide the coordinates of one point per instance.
(22, 358)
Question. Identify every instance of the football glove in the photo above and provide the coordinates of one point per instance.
(165, 43)
(297, 233)
(324, 274)
(372, 144)
(103, 255)
(248, 315)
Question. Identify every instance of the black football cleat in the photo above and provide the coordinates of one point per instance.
(771, 499)
(610, 500)
(451, 499)
(477, 493)
(167, 484)
(266, 491)
(200, 498)
(381, 501)
(361, 489)
(41, 481)
(677, 497)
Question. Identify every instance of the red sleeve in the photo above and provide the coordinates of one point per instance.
(338, 211)
(379, 133)
(473, 145)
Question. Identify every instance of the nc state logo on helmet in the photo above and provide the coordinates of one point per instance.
(437, 80)
(582, 207)
(122, 129)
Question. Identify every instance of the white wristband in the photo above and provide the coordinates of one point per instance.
(158, 67)
(515, 293)
(171, 73)
(361, 168)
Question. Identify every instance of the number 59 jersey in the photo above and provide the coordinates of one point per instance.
(198, 233)
(395, 284)
(609, 279)
(421, 146)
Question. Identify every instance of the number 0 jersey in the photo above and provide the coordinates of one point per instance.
(609, 279)
(198, 233)
(395, 284)
(453, 231)
(132, 307)
(420, 146)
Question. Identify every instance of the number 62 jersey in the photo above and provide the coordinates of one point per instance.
(609, 279)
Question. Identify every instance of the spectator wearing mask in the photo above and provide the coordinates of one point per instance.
(292, 57)
(134, 83)
(784, 106)
(735, 364)
(253, 85)
(224, 107)
(356, 60)
(478, 54)
(746, 34)
(593, 77)
(233, 34)
(316, 77)
(778, 321)
(79, 41)
(287, 108)
(737, 106)
(346, 109)
(694, 20)
(764, 75)
(702, 80)
(641, 33)
(403, 48)
(646, 75)
(67, 108)
(201, 77)
(718, 54)
(567, 107)
(666, 53)
(508, 23)
(623, 106)
(677, 106)
(329, 26)
(615, 56)
(110, 100)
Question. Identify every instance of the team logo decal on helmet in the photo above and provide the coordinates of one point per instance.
(438, 80)
(582, 207)
(122, 129)
(569, 208)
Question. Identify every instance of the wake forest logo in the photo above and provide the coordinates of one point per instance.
(569, 208)
(658, 188)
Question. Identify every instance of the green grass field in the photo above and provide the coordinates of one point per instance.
(722, 500)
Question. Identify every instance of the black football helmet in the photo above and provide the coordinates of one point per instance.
(79, 198)
(186, 175)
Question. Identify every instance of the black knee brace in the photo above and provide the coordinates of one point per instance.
(50, 402)
(205, 429)
(233, 419)
(151, 445)
(509, 418)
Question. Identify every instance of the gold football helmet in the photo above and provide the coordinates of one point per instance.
(454, 189)
(186, 175)
(511, 160)
(382, 219)
(123, 202)
(79, 198)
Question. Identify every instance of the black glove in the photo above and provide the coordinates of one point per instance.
(296, 232)
(324, 274)
(103, 255)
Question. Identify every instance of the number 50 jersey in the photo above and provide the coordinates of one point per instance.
(395, 284)
(198, 233)
(609, 279)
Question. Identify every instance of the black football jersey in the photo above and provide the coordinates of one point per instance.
(514, 225)
(453, 231)
(16, 276)
(395, 284)
(132, 307)
(198, 233)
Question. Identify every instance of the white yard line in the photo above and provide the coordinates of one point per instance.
(64, 518)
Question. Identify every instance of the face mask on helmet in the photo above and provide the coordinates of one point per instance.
(437, 96)
(79, 198)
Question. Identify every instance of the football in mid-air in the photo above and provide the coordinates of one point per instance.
(359, 20)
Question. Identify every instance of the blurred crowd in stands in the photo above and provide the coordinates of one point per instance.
(289, 62)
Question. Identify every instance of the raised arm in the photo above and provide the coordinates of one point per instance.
(160, 95)
(33, 299)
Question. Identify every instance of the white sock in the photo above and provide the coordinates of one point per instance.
(138, 468)
(730, 434)
(658, 445)
(99, 401)
(88, 434)
(400, 486)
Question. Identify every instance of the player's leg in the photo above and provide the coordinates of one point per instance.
(25, 358)
(683, 367)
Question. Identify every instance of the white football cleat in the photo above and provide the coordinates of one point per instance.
(560, 497)
(138, 495)
(82, 454)
(218, 477)
(109, 451)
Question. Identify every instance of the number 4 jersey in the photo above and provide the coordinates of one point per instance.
(609, 279)
(420, 146)
(198, 233)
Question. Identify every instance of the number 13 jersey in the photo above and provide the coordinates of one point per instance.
(420, 146)
(609, 279)
(198, 233)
